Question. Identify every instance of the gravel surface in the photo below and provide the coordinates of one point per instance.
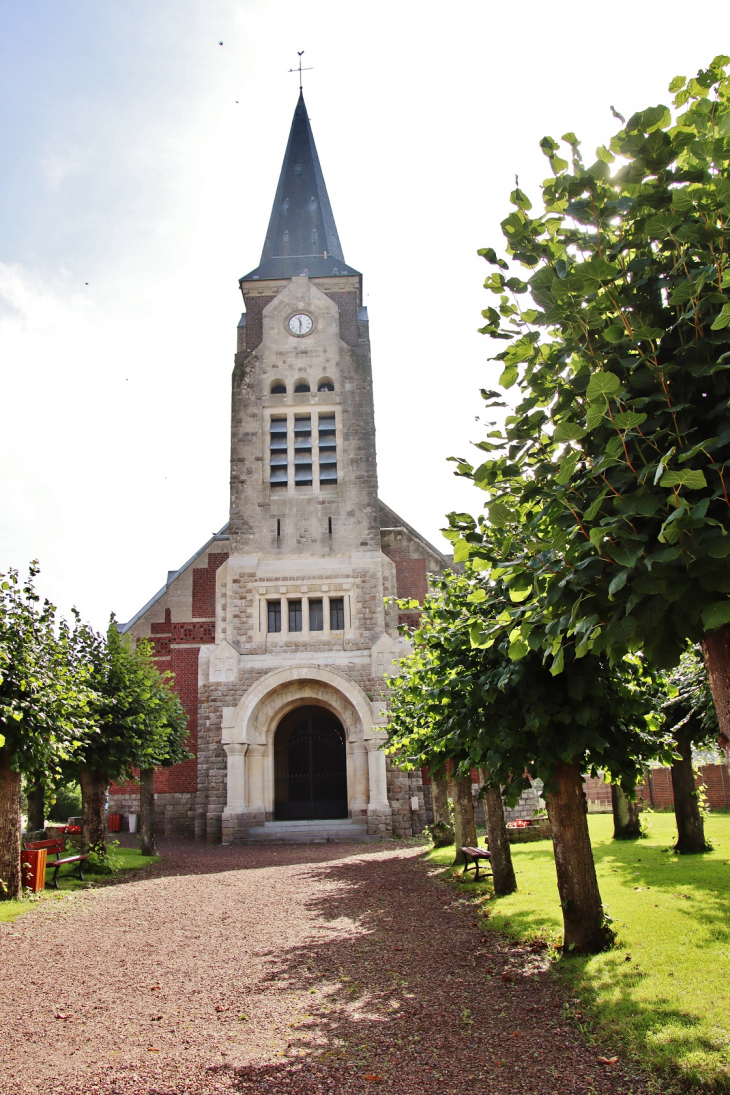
(332, 968)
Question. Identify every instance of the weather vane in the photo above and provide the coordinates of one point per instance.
(300, 70)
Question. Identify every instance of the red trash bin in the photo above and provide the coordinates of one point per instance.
(33, 868)
(115, 823)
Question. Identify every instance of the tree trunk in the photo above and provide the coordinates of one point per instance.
(503, 872)
(148, 837)
(10, 783)
(690, 824)
(93, 801)
(440, 798)
(716, 651)
(583, 918)
(465, 826)
(626, 814)
(36, 807)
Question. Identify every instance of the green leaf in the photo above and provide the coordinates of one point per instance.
(518, 595)
(517, 650)
(602, 384)
(677, 83)
(628, 420)
(490, 255)
(461, 551)
(567, 467)
(499, 514)
(558, 663)
(520, 199)
(719, 549)
(618, 583)
(723, 320)
(716, 615)
(615, 333)
(595, 506)
(477, 596)
(509, 376)
(595, 415)
(692, 480)
(569, 431)
(596, 536)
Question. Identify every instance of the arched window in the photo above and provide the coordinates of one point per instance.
(325, 385)
(278, 387)
(301, 386)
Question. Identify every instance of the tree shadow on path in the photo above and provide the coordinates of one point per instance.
(408, 995)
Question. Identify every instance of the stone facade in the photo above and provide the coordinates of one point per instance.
(287, 606)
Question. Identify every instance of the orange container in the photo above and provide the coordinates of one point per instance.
(33, 869)
(115, 823)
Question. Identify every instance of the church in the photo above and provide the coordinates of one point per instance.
(279, 630)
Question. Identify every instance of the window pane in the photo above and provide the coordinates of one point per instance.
(316, 617)
(295, 615)
(274, 615)
(337, 614)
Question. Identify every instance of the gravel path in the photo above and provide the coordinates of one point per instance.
(339, 969)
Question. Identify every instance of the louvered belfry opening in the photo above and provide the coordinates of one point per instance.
(310, 766)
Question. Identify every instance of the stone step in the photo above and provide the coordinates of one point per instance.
(309, 832)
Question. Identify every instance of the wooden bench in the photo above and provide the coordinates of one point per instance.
(473, 857)
(57, 847)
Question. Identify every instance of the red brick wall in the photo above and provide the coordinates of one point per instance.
(657, 791)
(184, 777)
(597, 790)
(204, 585)
(183, 663)
(410, 573)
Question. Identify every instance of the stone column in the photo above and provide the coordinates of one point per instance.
(359, 790)
(256, 782)
(380, 821)
(236, 797)
(235, 819)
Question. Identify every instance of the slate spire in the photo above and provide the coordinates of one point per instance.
(302, 236)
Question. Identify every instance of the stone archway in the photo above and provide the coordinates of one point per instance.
(248, 737)
(310, 766)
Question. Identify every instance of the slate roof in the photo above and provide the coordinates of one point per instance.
(302, 235)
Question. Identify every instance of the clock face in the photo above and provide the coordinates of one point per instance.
(300, 324)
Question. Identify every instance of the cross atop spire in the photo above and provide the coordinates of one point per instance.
(300, 70)
(302, 236)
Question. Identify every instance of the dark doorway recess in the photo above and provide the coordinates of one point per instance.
(310, 766)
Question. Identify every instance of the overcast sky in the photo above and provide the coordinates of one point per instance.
(138, 164)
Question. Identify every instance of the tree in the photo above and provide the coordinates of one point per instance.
(465, 826)
(691, 720)
(608, 513)
(139, 722)
(164, 742)
(44, 706)
(459, 695)
(503, 872)
(626, 814)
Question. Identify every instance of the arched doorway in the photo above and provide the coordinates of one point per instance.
(310, 766)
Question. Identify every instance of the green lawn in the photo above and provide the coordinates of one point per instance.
(129, 859)
(664, 992)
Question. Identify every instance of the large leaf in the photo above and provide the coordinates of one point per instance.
(569, 431)
(716, 615)
(686, 477)
(602, 384)
(628, 420)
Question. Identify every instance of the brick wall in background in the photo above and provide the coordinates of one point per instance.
(204, 586)
(410, 573)
(183, 663)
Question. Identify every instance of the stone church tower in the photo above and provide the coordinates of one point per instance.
(277, 630)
